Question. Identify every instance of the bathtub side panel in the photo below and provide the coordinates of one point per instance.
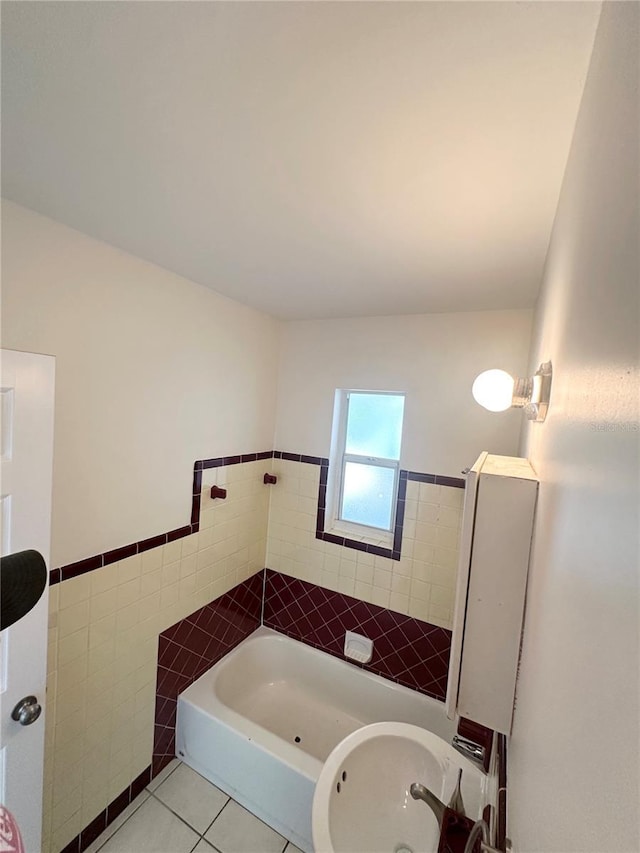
(276, 793)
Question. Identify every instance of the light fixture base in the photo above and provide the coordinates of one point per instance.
(522, 391)
(537, 408)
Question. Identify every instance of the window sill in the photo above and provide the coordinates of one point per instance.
(355, 534)
(376, 545)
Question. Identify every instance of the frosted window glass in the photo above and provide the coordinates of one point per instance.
(374, 425)
(368, 494)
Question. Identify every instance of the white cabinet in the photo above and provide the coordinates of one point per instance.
(497, 528)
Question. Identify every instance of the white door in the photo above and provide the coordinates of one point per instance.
(26, 393)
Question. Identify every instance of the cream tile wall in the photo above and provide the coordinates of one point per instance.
(420, 584)
(103, 644)
(432, 522)
(104, 626)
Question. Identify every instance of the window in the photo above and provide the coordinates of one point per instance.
(365, 459)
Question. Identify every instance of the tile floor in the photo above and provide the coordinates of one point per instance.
(181, 812)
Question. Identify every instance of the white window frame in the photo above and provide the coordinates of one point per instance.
(337, 464)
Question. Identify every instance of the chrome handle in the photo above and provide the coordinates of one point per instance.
(26, 711)
(469, 749)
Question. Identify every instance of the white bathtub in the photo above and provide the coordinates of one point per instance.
(262, 721)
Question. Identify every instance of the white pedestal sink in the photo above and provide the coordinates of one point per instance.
(362, 802)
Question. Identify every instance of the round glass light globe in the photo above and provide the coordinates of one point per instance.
(493, 389)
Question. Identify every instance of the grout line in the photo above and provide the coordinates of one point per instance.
(229, 799)
(263, 822)
(146, 787)
(152, 794)
(218, 815)
(244, 808)
(137, 808)
(169, 809)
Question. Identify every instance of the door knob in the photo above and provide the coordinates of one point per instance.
(26, 711)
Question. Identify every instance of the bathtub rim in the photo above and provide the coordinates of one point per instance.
(202, 695)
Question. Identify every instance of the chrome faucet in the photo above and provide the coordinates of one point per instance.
(471, 750)
(419, 792)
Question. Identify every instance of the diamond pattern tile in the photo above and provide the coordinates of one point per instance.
(406, 650)
(190, 647)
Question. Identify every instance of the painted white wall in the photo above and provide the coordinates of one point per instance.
(434, 358)
(152, 373)
(573, 757)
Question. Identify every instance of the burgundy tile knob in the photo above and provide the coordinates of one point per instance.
(269, 479)
(217, 492)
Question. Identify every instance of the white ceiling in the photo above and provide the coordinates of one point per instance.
(312, 159)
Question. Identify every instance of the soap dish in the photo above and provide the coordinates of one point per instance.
(357, 647)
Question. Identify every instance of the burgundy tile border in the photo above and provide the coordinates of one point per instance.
(437, 479)
(406, 650)
(119, 554)
(421, 478)
(74, 570)
(218, 461)
(181, 532)
(93, 830)
(153, 542)
(117, 806)
(90, 564)
(190, 647)
(98, 825)
(454, 482)
(393, 553)
(195, 509)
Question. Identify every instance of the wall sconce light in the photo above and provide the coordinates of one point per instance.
(497, 391)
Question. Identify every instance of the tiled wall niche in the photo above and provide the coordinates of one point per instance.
(107, 612)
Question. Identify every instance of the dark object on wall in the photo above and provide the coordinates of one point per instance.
(217, 492)
(269, 479)
(454, 832)
(23, 577)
